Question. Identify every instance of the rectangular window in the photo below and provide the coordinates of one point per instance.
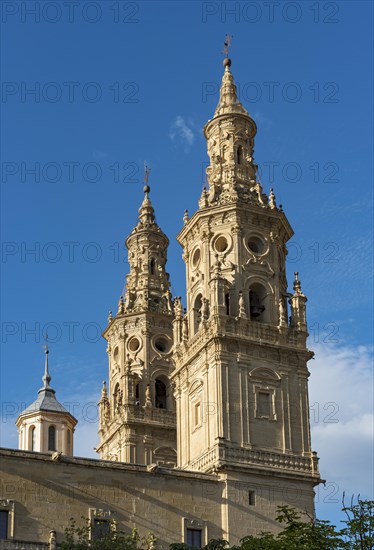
(251, 498)
(263, 404)
(51, 438)
(100, 528)
(194, 538)
(197, 419)
(4, 518)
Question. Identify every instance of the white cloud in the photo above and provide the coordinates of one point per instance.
(341, 403)
(181, 131)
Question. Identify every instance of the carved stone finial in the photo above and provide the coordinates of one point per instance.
(272, 202)
(110, 317)
(148, 400)
(52, 540)
(242, 311)
(282, 313)
(185, 217)
(217, 273)
(203, 201)
(185, 329)
(178, 309)
(204, 310)
(296, 283)
(121, 306)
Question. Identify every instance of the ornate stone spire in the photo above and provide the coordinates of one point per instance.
(228, 99)
(148, 287)
(232, 173)
(146, 211)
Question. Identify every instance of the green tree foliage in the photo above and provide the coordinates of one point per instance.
(79, 538)
(359, 530)
(313, 534)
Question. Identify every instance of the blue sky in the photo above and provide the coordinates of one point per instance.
(117, 83)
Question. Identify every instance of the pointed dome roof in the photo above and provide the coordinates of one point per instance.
(46, 400)
(147, 220)
(228, 98)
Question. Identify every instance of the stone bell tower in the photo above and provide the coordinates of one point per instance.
(240, 364)
(137, 411)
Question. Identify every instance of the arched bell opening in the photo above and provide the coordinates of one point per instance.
(152, 266)
(197, 312)
(258, 303)
(137, 390)
(239, 155)
(227, 303)
(161, 394)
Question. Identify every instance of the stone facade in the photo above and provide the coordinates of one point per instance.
(46, 493)
(204, 425)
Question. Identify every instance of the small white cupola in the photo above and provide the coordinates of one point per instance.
(46, 426)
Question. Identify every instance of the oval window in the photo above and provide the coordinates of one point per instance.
(134, 344)
(162, 344)
(196, 257)
(256, 245)
(221, 244)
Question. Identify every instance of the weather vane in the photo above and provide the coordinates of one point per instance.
(227, 44)
(146, 172)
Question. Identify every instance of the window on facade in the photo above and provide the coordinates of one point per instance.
(51, 438)
(4, 520)
(256, 305)
(160, 389)
(152, 266)
(239, 155)
(137, 393)
(197, 414)
(251, 498)
(194, 538)
(32, 438)
(197, 312)
(100, 528)
(227, 303)
(263, 404)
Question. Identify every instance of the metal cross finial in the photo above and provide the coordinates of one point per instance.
(227, 44)
(46, 349)
(47, 377)
(146, 172)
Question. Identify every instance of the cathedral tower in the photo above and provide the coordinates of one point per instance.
(45, 425)
(240, 363)
(137, 412)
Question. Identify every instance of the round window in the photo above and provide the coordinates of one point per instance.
(256, 244)
(162, 344)
(221, 244)
(196, 257)
(134, 344)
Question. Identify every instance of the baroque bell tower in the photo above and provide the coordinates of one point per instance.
(137, 411)
(240, 351)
